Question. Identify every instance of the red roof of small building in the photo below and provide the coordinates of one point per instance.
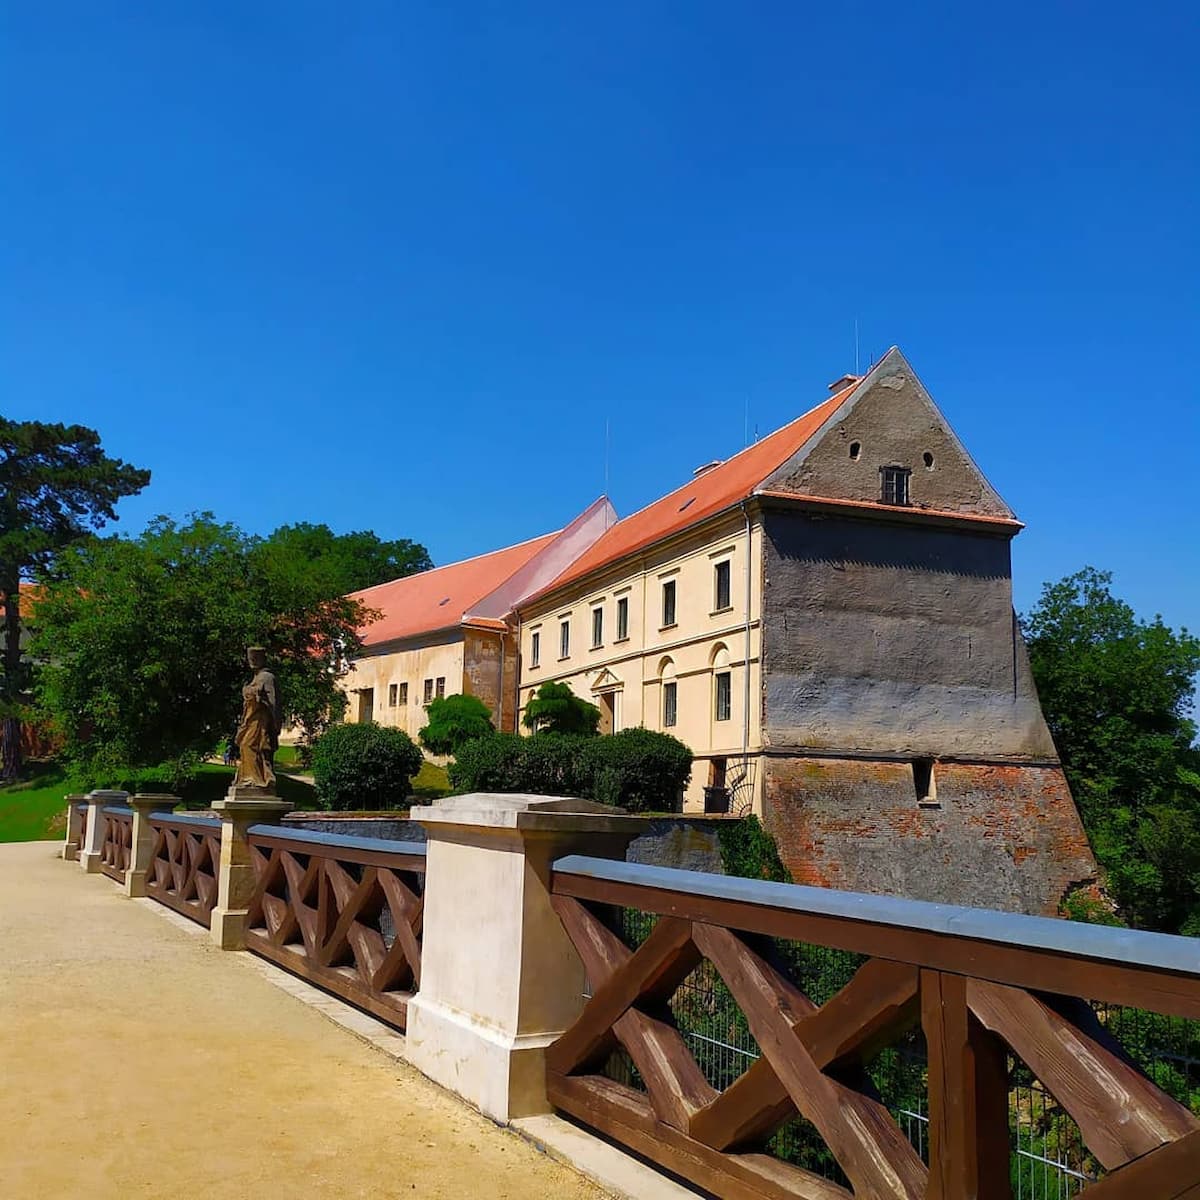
(715, 490)
(443, 597)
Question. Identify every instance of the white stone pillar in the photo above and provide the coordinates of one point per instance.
(235, 882)
(76, 825)
(93, 838)
(500, 980)
(142, 844)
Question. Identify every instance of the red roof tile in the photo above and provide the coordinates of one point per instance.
(441, 598)
(718, 488)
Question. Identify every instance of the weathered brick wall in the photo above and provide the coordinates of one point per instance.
(482, 674)
(1005, 837)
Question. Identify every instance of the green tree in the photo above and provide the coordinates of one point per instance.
(143, 642)
(56, 485)
(556, 709)
(454, 721)
(1117, 693)
(346, 562)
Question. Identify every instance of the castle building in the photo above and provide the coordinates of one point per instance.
(826, 620)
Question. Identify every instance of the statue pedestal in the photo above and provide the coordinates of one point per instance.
(243, 806)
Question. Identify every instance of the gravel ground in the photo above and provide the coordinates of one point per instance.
(136, 1061)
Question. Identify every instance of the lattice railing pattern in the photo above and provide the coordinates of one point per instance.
(975, 1005)
(116, 848)
(343, 913)
(184, 864)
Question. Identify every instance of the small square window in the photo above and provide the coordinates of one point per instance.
(724, 696)
(721, 588)
(403, 695)
(894, 484)
(622, 618)
(428, 690)
(670, 704)
(668, 603)
(441, 686)
(564, 639)
(393, 695)
(597, 628)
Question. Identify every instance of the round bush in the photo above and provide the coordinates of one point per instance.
(640, 770)
(488, 764)
(363, 766)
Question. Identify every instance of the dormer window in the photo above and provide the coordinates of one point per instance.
(894, 484)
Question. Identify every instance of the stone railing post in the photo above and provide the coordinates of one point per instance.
(500, 979)
(142, 846)
(76, 825)
(93, 839)
(235, 882)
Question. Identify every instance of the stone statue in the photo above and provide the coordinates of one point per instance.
(258, 730)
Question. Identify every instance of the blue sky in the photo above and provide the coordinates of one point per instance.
(395, 266)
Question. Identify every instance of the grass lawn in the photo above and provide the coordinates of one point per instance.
(431, 782)
(34, 809)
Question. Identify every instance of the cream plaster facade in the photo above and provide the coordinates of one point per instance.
(627, 677)
(371, 678)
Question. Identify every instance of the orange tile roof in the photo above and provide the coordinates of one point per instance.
(441, 598)
(718, 488)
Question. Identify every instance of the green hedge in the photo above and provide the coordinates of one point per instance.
(636, 769)
(364, 766)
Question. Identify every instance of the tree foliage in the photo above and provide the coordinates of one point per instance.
(556, 709)
(346, 562)
(454, 721)
(364, 767)
(1117, 693)
(56, 484)
(143, 641)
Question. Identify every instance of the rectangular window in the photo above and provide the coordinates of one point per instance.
(441, 686)
(721, 589)
(428, 690)
(403, 695)
(670, 704)
(597, 628)
(724, 696)
(564, 639)
(668, 610)
(895, 484)
(535, 648)
(393, 695)
(622, 618)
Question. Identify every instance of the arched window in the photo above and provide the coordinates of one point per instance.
(722, 684)
(670, 693)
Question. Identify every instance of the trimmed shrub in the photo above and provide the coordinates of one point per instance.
(556, 709)
(488, 764)
(454, 721)
(363, 766)
(637, 769)
(547, 764)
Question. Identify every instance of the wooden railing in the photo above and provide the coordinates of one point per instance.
(984, 1000)
(342, 912)
(116, 848)
(184, 864)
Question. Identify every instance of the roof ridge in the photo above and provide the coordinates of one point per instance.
(457, 562)
(745, 449)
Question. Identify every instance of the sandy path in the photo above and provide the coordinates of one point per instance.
(136, 1061)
